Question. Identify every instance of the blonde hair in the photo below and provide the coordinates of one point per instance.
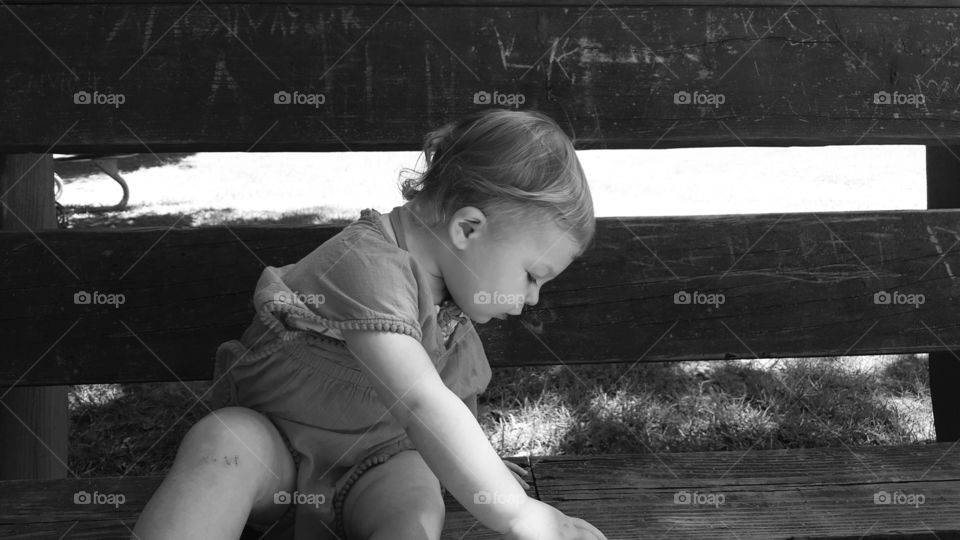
(517, 167)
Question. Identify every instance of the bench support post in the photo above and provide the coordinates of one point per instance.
(943, 191)
(33, 420)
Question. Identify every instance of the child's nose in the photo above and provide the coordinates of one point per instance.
(532, 297)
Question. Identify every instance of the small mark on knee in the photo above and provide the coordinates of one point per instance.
(229, 461)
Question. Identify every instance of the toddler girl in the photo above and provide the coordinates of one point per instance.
(351, 397)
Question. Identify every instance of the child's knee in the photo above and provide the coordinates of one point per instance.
(235, 439)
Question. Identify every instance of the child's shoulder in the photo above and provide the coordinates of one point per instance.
(357, 275)
(369, 227)
(366, 233)
(361, 250)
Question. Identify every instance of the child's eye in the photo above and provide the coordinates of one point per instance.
(531, 278)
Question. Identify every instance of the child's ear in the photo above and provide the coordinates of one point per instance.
(469, 220)
(469, 226)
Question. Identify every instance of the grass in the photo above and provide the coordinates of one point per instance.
(724, 405)
(655, 407)
(613, 408)
(120, 429)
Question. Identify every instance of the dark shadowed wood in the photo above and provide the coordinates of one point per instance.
(943, 191)
(33, 421)
(796, 493)
(908, 4)
(793, 285)
(198, 76)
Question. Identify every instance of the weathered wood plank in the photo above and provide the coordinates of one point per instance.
(908, 4)
(459, 525)
(796, 493)
(943, 191)
(46, 508)
(34, 422)
(791, 285)
(26, 502)
(203, 76)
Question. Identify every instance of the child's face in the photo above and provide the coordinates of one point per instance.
(490, 279)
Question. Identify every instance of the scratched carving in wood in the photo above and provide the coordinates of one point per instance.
(204, 76)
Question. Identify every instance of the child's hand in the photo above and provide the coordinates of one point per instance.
(517, 471)
(540, 521)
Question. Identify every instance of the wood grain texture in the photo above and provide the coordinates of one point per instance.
(943, 191)
(795, 493)
(769, 494)
(906, 4)
(198, 77)
(792, 285)
(46, 509)
(34, 422)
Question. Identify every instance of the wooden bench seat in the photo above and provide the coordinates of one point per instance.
(135, 76)
(790, 493)
(792, 283)
(744, 494)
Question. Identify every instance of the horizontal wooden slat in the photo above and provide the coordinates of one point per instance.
(770, 494)
(907, 4)
(200, 77)
(792, 285)
(767, 494)
(459, 525)
(46, 509)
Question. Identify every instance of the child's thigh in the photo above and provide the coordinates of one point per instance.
(244, 440)
(398, 492)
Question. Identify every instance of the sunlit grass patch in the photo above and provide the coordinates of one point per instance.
(704, 406)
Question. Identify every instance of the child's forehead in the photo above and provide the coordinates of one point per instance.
(550, 251)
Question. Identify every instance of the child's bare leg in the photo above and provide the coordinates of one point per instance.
(399, 499)
(228, 467)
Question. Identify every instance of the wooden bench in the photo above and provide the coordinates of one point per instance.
(202, 77)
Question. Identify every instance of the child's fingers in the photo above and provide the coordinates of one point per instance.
(592, 532)
(513, 466)
(520, 480)
(516, 471)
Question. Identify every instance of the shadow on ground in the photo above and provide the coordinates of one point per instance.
(136, 431)
(732, 405)
(91, 217)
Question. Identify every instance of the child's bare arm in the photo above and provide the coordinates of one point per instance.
(440, 425)
(515, 470)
